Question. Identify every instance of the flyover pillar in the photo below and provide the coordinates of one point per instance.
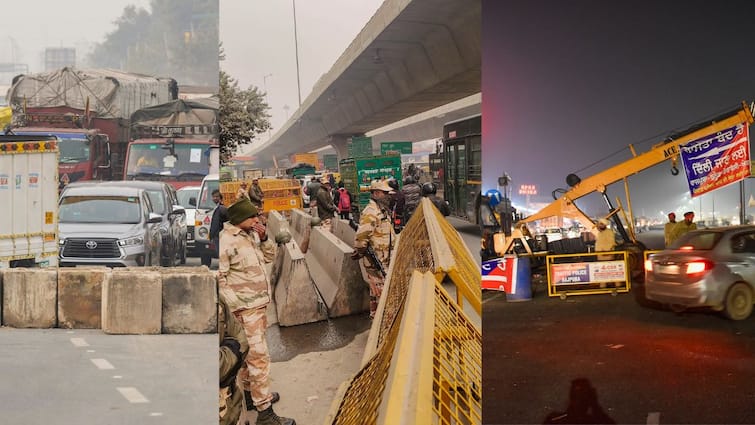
(340, 143)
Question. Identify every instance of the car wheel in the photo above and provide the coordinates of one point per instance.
(677, 308)
(738, 303)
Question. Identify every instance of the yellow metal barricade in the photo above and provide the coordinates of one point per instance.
(277, 194)
(413, 338)
(585, 274)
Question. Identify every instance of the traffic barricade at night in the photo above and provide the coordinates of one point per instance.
(423, 361)
(586, 273)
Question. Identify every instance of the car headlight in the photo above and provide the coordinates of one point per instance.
(203, 232)
(137, 240)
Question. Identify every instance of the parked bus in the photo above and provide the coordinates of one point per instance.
(462, 167)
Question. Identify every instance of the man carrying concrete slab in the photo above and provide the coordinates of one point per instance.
(375, 233)
(242, 282)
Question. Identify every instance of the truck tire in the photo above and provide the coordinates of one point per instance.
(183, 253)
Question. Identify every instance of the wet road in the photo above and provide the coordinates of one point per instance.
(286, 343)
(647, 365)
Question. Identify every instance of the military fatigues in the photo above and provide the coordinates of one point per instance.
(255, 195)
(243, 283)
(375, 229)
(325, 209)
(231, 360)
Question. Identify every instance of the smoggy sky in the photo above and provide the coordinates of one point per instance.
(33, 25)
(569, 84)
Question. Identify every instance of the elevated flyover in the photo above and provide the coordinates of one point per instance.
(411, 57)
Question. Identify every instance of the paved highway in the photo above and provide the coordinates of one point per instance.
(646, 364)
(72, 377)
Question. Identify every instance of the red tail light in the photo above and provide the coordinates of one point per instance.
(648, 265)
(696, 267)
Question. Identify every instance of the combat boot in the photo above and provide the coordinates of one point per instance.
(268, 417)
(250, 404)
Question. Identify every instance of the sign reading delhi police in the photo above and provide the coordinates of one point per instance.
(717, 160)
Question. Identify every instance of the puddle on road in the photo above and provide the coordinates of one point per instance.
(285, 343)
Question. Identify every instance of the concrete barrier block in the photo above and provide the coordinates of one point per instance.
(30, 298)
(275, 223)
(295, 294)
(337, 276)
(80, 297)
(300, 225)
(2, 271)
(343, 231)
(189, 300)
(132, 302)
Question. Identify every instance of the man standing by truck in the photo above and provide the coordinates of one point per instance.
(375, 231)
(244, 285)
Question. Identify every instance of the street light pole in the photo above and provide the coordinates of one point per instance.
(296, 47)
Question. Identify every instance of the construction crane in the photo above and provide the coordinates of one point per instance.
(668, 150)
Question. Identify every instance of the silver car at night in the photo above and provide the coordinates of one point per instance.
(706, 268)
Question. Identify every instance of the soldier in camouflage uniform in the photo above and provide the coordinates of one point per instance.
(243, 283)
(376, 230)
(233, 349)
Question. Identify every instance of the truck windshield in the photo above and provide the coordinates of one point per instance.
(149, 158)
(73, 150)
(205, 194)
(99, 209)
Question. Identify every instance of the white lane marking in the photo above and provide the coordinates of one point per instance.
(79, 342)
(156, 414)
(90, 351)
(102, 364)
(70, 332)
(493, 297)
(117, 377)
(132, 395)
(654, 418)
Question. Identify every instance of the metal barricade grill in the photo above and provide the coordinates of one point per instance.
(429, 250)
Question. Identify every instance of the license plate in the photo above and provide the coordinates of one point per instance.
(668, 269)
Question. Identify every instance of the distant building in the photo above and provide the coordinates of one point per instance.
(59, 57)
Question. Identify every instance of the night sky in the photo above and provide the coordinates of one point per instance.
(568, 85)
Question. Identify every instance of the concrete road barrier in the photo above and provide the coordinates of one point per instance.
(132, 302)
(300, 226)
(30, 298)
(275, 223)
(80, 297)
(296, 298)
(343, 231)
(337, 276)
(189, 300)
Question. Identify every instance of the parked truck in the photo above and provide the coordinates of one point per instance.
(29, 195)
(175, 142)
(89, 111)
(358, 173)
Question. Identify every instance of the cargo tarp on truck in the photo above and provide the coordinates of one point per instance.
(179, 112)
(108, 93)
(29, 196)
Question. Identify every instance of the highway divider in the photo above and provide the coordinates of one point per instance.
(138, 300)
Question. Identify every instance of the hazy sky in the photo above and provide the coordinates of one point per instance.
(566, 84)
(258, 39)
(37, 24)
